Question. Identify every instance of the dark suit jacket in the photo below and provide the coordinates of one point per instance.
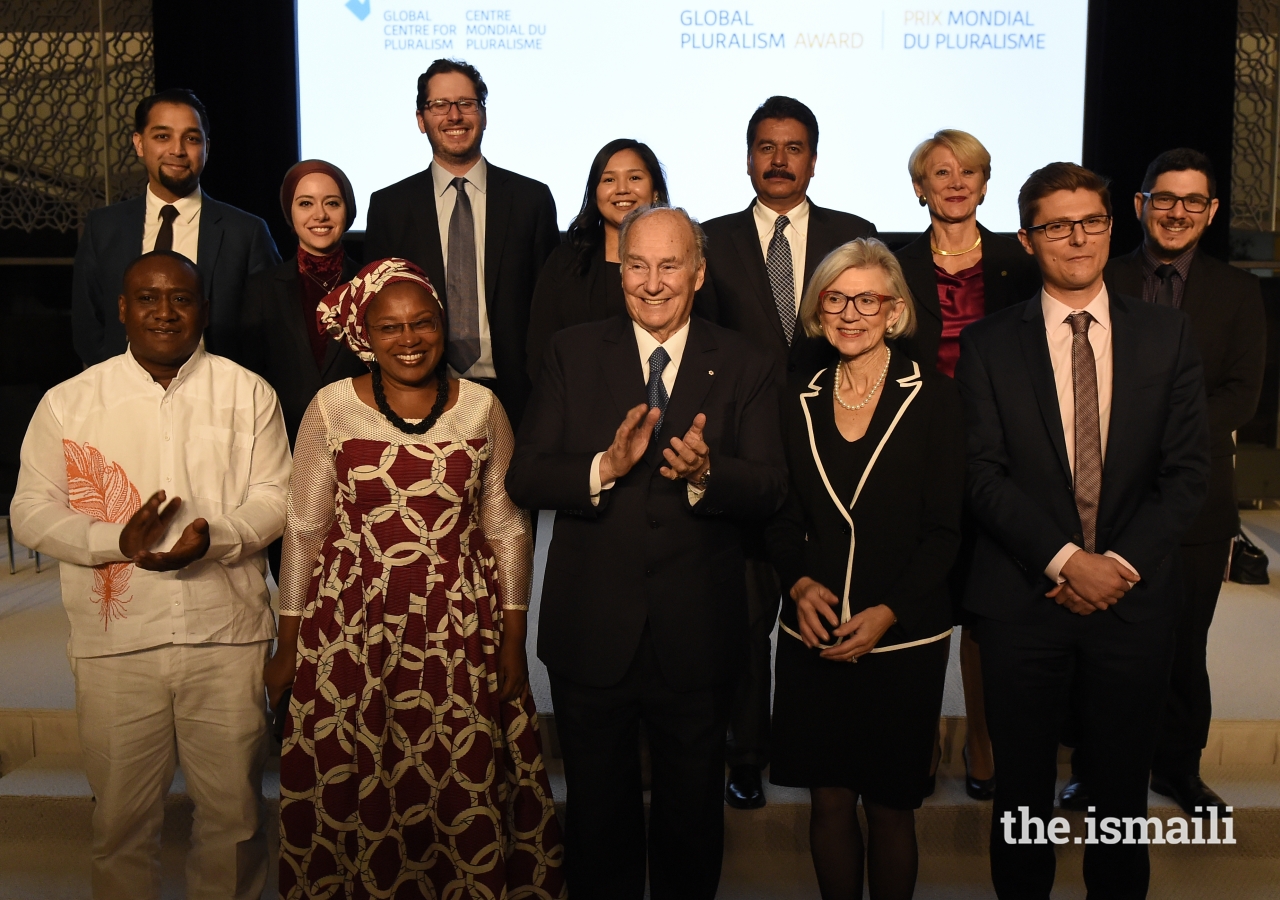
(520, 233)
(273, 341)
(896, 543)
(737, 285)
(1230, 331)
(644, 554)
(1153, 480)
(1009, 276)
(232, 246)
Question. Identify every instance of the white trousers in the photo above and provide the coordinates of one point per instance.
(140, 714)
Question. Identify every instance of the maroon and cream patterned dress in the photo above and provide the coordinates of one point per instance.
(402, 774)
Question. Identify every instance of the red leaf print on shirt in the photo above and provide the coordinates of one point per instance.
(103, 491)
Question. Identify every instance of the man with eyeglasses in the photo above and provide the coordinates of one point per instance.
(1177, 202)
(1075, 580)
(758, 264)
(481, 233)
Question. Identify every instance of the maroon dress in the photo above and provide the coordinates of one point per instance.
(402, 774)
(962, 301)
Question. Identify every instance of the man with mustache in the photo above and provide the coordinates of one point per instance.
(481, 233)
(227, 245)
(759, 261)
(1176, 204)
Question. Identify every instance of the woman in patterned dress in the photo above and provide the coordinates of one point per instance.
(412, 764)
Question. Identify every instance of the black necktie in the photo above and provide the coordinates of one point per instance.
(462, 292)
(1164, 293)
(164, 239)
(657, 391)
(781, 276)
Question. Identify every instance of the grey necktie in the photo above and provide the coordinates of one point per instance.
(461, 290)
(1164, 293)
(164, 237)
(782, 277)
(1088, 438)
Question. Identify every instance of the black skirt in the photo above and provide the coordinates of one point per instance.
(868, 726)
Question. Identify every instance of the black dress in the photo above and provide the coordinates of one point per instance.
(869, 726)
(566, 295)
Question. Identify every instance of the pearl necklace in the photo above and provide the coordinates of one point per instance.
(888, 355)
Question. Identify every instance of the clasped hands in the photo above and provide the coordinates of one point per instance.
(149, 524)
(1093, 582)
(688, 457)
(814, 603)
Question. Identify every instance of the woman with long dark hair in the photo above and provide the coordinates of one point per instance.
(582, 279)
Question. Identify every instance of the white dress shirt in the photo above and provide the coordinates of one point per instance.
(1059, 334)
(100, 444)
(647, 343)
(446, 198)
(796, 233)
(186, 227)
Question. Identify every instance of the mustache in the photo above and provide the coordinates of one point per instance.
(780, 173)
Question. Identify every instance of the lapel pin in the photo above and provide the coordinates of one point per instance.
(711, 371)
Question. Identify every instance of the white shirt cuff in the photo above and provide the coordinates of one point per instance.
(695, 494)
(596, 486)
(1054, 569)
(1124, 562)
(104, 542)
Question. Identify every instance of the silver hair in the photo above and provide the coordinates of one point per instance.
(862, 253)
(643, 212)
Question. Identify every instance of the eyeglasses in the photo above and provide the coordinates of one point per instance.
(1193, 203)
(1057, 231)
(466, 106)
(391, 331)
(867, 303)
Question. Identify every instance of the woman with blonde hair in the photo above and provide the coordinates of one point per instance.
(863, 546)
(958, 272)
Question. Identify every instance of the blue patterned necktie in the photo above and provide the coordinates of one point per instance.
(658, 360)
(782, 277)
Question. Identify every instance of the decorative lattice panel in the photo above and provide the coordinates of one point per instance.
(1253, 157)
(71, 73)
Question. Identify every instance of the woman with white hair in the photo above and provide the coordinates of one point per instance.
(863, 546)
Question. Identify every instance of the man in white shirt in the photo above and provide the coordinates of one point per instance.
(480, 232)
(1088, 459)
(655, 438)
(759, 261)
(169, 609)
(227, 244)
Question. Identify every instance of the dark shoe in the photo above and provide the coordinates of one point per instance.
(1074, 795)
(1191, 793)
(977, 788)
(744, 790)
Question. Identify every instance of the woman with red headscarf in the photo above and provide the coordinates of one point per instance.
(411, 762)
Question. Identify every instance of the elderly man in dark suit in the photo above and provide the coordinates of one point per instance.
(642, 618)
(480, 232)
(227, 244)
(1177, 202)
(759, 262)
(1088, 446)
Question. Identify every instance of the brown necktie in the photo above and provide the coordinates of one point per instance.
(164, 239)
(1088, 438)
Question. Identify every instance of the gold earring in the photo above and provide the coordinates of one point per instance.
(923, 202)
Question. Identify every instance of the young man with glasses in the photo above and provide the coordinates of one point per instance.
(1176, 204)
(1075, 576)
(481, 233)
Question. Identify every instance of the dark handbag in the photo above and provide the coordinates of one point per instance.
(1248, 562)
(279, 714)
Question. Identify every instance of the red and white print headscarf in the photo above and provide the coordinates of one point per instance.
(341, 313)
